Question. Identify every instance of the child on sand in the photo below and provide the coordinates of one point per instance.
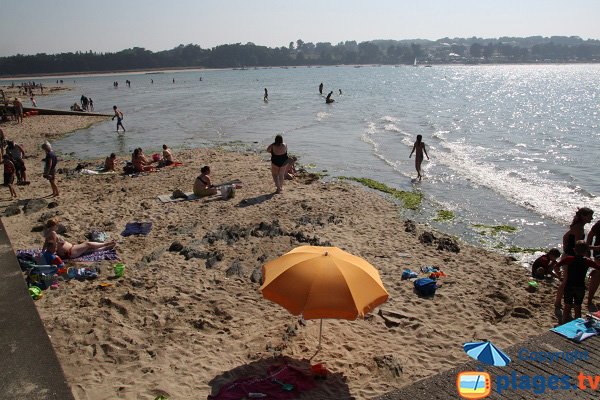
(573, 279)
(9, 174)
(542, 266)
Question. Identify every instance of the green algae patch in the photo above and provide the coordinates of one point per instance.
(495, 229)
(444, 215)
(410, 200)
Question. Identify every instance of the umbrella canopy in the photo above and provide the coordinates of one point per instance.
(323, 282)
(487, 353)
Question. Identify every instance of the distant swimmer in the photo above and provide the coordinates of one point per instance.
(151, 80)
(419, 149)
(200, 79)
(119, 116)
(321, 88)
(340, 91)
(173, 80)
(329, 100)
(266, 98)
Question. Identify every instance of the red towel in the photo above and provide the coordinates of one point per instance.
(264, 384)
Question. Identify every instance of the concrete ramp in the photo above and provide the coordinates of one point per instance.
(30, 369)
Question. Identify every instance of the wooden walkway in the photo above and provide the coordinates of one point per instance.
(443, 385)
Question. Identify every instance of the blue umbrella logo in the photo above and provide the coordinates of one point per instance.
(487, 353)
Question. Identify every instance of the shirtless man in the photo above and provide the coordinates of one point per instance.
(167, 156)
(119, 116)
(109, 163)
(419, 149)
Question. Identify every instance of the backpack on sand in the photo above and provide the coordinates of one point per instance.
(425, 286)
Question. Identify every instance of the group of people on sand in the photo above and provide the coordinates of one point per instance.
(12, 157)
(581, 253)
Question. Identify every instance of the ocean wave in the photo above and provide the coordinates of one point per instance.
(550, 198)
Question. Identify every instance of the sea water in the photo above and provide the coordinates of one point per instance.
(510, 145)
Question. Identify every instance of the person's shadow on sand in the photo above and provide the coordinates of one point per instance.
(255, 200)
(334, 386)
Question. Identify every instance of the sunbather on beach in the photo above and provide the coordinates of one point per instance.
(167, 155)
(140, 162)
(109, 163)
(58, 245)
(203, 185)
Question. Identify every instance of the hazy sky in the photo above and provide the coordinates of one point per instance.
(35, 26)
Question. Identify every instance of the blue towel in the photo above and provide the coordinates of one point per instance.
(137, 228)
(575, 330)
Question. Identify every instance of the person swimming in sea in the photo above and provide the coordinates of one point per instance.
(329, 100)
(419, 149)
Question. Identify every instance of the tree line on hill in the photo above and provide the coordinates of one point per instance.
(535, 49)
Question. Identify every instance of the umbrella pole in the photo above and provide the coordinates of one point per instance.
(319, 346)
(320, 334)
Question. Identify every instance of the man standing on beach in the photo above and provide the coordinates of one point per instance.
(18, 110)
(119, 116)
(50, 167)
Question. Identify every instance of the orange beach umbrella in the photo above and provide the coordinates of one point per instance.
(323, 282)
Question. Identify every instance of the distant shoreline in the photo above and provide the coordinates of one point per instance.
(181, 69)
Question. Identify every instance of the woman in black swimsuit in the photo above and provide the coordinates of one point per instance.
(582, 217)
(279, 162)
(202, 185)
(576, 232)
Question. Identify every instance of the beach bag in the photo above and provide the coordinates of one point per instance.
(227, 192)
(42, 276)
(425, 286)
(128, 168)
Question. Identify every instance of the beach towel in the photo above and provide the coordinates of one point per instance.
(109, 255)
(576, 330)
(285, 374)
(168, 198)
(137, 228)
(95, 172)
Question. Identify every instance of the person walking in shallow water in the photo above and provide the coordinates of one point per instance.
(266, 98)
(119, 116)
(419, 149)
(321, 88)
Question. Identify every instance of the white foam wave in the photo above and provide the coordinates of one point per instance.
(529, 189)
(387, 118)
(391, 128)
(321, 115)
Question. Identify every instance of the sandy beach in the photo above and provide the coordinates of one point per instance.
(184, 323)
